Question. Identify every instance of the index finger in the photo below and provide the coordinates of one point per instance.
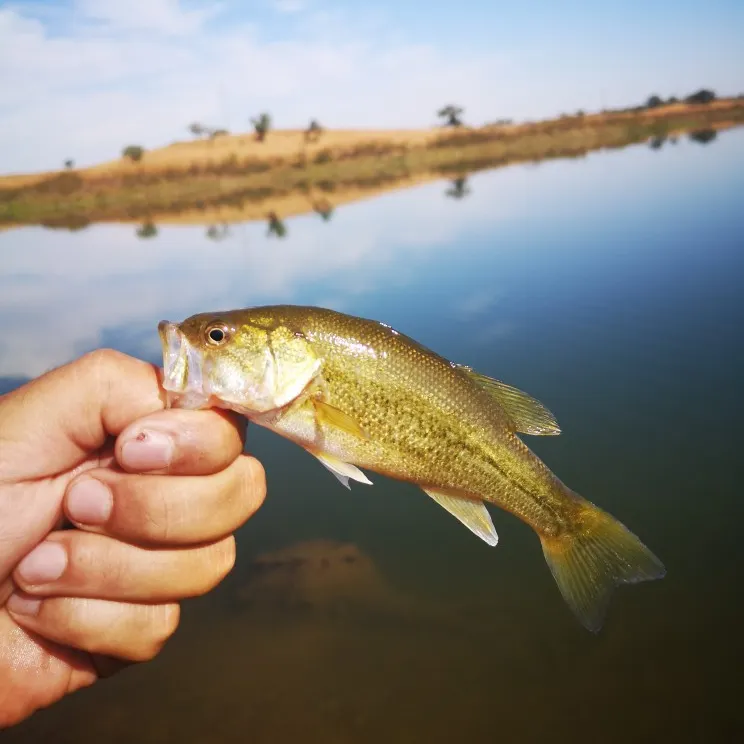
(69, 412)
(181, 442)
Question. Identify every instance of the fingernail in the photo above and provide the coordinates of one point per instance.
(149, 450)
(22, 604)
(43, 564)
(89, 502)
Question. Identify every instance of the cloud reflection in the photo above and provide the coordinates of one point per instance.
(63, 293)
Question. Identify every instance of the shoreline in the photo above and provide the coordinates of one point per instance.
(235, 178)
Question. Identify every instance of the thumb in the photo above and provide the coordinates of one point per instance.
(53, 423)
(50, 426)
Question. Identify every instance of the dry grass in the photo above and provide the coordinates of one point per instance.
(237, 178)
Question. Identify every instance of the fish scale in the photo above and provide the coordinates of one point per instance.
(356, 393)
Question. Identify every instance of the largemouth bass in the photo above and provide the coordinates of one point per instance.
(356, 393)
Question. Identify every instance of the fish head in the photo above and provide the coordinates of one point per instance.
(236, 360)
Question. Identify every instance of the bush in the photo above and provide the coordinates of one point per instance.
(133, 152)
(702, 96)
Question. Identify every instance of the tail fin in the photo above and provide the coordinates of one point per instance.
(589, 561)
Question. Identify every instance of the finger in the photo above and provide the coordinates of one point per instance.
(84, 564)
(135, 632)
(181, 442)
(52, 425)
(93, 397)
(167, 509)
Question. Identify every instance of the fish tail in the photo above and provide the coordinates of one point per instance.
(591, 558)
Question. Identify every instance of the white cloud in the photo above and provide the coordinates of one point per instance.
(87, 93)
(82, 81)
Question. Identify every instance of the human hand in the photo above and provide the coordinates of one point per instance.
(153, 495)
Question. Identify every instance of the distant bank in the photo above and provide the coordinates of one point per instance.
(237, 178)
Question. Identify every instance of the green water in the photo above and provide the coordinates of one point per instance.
(610, 288)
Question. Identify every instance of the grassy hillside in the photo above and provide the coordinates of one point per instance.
(237, 178)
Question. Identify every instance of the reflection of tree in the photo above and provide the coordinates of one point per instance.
(324, 208)
(451, 114)
(147, 230)
(459, 188)
(703, 136)
(655, 143)
(71, 222)
(218, 232)
(276, 226)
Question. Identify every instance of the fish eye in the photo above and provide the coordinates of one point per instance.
(216, 335)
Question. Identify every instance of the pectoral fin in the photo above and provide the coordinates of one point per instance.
(333, 416)
(528, 415)
(342, 470)
(473, 514)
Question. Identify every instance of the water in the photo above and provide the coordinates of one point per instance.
(612, 289)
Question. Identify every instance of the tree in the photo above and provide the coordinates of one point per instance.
(313, 132)
(654, 101)
(69, 164)
(452, 115)
(214, 133)
(261, 124)
(198, 130)
(133, 152)
(702, 96)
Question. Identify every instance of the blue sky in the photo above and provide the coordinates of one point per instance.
(81, 78)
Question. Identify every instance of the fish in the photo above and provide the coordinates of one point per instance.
(356, 393)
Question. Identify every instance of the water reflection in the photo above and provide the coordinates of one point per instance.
(459, 188)
(147, 230)
(703, 136)
(610, 288)
(277, 228)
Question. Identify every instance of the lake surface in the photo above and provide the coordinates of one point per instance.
(612, 289)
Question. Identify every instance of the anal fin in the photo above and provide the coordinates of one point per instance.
(344, 471)
(473, 514)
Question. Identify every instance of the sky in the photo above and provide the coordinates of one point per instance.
(81, 79)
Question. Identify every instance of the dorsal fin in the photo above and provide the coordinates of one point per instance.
(528, 415)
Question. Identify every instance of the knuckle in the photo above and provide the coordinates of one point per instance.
(221, 563)
(152, 516)
(252, 484)
(162, 623)
(102, 357)
(94, 561)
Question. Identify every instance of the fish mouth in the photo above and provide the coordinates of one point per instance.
(183, 373)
